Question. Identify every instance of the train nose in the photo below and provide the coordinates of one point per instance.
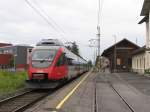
(44, 73)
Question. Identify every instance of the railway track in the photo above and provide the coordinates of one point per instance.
(122, 98)
(108, 82)
(20, 102)
(23, 101)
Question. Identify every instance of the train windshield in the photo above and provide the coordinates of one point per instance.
(45, 55)
(42, 58)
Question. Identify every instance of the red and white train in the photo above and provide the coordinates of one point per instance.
(51, 63)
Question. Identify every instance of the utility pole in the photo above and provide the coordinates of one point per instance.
(115, 54)
(98, 59)
(98, 35)
(98, 27)
(136, 40)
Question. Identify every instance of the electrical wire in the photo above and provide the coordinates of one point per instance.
(50, 18)
(42, 16)
(42, 13)
(36, 7)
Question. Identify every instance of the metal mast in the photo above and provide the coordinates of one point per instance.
(98, 28)
(115, 54)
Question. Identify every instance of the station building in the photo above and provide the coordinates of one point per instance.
(120, 55)
(141, 57)
(14, 56)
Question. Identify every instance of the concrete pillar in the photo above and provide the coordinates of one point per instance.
(147, 54)
(146, 62)
(148, 30)
(147, 35)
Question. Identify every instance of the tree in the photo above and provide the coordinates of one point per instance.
(69, 47)
(74, 48)
(90, 63)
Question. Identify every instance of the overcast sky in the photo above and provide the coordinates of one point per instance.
(74, 20)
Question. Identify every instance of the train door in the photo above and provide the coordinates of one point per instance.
(62, 68)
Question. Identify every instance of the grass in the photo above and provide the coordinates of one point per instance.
(9, 82)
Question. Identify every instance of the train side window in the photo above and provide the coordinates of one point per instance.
(69, 61)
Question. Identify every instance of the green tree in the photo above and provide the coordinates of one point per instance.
(75, 48)
(90, 63)
(69, 47)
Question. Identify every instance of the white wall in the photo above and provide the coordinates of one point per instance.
(138, 63)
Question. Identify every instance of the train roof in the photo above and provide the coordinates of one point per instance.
(48, 47)
(69, 54)
(49, 42)
(55, 44)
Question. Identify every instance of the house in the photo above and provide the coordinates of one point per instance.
(120, 55)
(141, 57)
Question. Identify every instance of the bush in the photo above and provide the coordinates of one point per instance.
(9, 81)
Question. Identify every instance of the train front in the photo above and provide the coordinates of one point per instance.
(40, 68)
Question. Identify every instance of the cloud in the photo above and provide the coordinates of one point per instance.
(78, 18)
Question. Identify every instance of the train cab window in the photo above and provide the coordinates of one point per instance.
(61, 60)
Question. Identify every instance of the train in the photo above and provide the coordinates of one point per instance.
(51, 64)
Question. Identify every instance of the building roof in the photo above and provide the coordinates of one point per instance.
(145, 11)
(139, 51)
(12, 46)
(5, 44)
(120, 42)
(144, 20)
(145, 8)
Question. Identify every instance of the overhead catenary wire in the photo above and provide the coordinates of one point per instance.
(50, 18)
(46, 19)
(40, 14)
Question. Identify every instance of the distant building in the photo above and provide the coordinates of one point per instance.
(17, 56)
(120, 55)
(141, 57)
(5, 44)
(5, 59)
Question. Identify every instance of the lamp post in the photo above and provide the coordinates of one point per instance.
(15, 55)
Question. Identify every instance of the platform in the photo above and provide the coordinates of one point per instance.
(98, 92)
